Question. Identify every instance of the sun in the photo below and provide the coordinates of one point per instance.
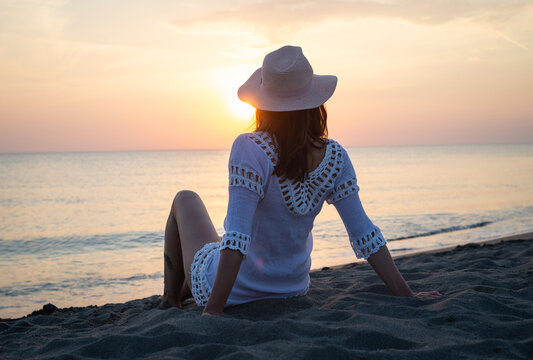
(241, 110)
(227, 81)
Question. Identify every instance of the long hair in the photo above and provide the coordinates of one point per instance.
(296, 133)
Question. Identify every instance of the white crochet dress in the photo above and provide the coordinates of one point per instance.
(270, 219)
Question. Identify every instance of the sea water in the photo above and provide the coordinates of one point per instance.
(87, 228)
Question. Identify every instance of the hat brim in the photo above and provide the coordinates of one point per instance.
(319, 91)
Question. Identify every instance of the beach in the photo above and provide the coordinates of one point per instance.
(486, 312)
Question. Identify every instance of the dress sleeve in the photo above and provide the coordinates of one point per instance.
(248, 168)
(365, 237)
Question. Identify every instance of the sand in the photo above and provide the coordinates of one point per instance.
(486, 313)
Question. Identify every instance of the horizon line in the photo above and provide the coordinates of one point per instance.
(227, 149)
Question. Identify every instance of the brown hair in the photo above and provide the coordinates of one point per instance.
(296, 133)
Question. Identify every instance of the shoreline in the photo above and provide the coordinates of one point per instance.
(518, 236)
(490, 241)
(443, 249)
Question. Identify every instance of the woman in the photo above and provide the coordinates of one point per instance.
(279, 177)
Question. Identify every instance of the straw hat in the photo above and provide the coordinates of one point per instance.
(286, 82)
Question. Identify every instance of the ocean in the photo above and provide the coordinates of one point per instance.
(86, 228)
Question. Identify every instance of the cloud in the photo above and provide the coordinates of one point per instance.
(276, 17)
(38, 18)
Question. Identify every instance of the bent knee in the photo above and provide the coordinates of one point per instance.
(185, 196)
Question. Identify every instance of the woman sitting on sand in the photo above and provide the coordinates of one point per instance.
(279, 177)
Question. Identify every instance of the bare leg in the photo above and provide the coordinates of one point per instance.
(173, 268)
(188, 229)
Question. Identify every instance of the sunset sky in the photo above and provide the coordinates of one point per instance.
(145, 75)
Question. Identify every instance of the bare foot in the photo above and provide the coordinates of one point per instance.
(163, 302)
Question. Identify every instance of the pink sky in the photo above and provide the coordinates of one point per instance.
(127, 75)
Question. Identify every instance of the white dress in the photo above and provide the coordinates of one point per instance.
(269, 220)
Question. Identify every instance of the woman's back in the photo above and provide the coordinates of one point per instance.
(270, 218)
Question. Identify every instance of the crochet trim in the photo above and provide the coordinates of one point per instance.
(200, 286)
(344, 190)
(249, 179)
(367, 244)
(235, 240)
(302, 198)
(266, 143)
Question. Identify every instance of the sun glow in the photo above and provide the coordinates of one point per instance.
(227, 81)
(241, 110)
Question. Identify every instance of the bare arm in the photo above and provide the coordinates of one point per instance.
(228, 268)
(383, 264)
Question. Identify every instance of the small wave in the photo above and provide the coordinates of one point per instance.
(401, 249)
(82, 283)
(67, 245)
(444, 230)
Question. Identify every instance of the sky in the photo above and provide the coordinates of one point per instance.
(163, 74)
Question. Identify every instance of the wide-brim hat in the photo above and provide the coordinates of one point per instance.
(286, 82)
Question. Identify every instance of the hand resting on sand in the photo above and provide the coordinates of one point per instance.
(210, 313)
(383, 264)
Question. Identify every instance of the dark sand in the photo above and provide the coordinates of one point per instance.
(486, 313)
